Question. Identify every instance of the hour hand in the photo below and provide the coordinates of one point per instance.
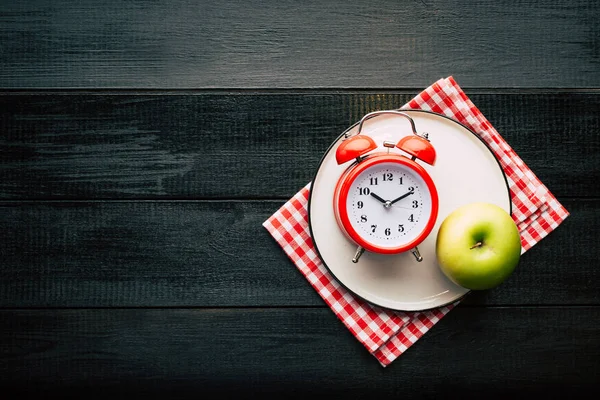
(401, 197)
(378, 198)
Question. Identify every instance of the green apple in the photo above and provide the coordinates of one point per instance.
(478, 246)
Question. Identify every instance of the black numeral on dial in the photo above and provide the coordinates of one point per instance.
(411, 218)
(415, 204)
(373, 227)
(363, 218)
(360, 205)
(400, 228)
(388, 231)
(364, 191)
(388, 176)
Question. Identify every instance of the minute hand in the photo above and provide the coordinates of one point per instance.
(401, 197)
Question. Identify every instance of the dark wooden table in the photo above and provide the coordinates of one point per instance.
(142, 145)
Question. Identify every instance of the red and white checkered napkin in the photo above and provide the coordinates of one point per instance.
(385, 333)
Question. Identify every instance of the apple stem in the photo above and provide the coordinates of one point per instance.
(478, 244)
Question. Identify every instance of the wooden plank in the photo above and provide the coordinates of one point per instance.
(130, 254)
(257, 145)
(275, 44)
(507, 351)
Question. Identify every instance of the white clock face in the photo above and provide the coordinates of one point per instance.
(389, 204)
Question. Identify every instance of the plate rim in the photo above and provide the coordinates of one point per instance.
(372, 303)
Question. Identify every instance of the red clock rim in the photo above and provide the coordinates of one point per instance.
(346, 183)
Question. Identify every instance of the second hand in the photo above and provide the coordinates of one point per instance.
(397, 206)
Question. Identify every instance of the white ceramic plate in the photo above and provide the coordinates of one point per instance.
(465, 171)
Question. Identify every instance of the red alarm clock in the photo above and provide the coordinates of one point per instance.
(386, 202)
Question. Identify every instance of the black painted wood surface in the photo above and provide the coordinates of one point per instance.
(298, 44)
(143, 143)
(216, 253)
(481, 352)
(251, 145)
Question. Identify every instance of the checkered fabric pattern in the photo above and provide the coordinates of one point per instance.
(386, 333)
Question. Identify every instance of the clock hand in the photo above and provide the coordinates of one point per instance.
(401, 197)
(378, 198)
(404, 207)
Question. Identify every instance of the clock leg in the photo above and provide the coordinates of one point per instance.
(417, 254)
(359, 252)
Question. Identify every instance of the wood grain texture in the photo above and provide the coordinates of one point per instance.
(131, 254)
(111, 146)
(308, 44)
(132, 257)
(551, 351)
